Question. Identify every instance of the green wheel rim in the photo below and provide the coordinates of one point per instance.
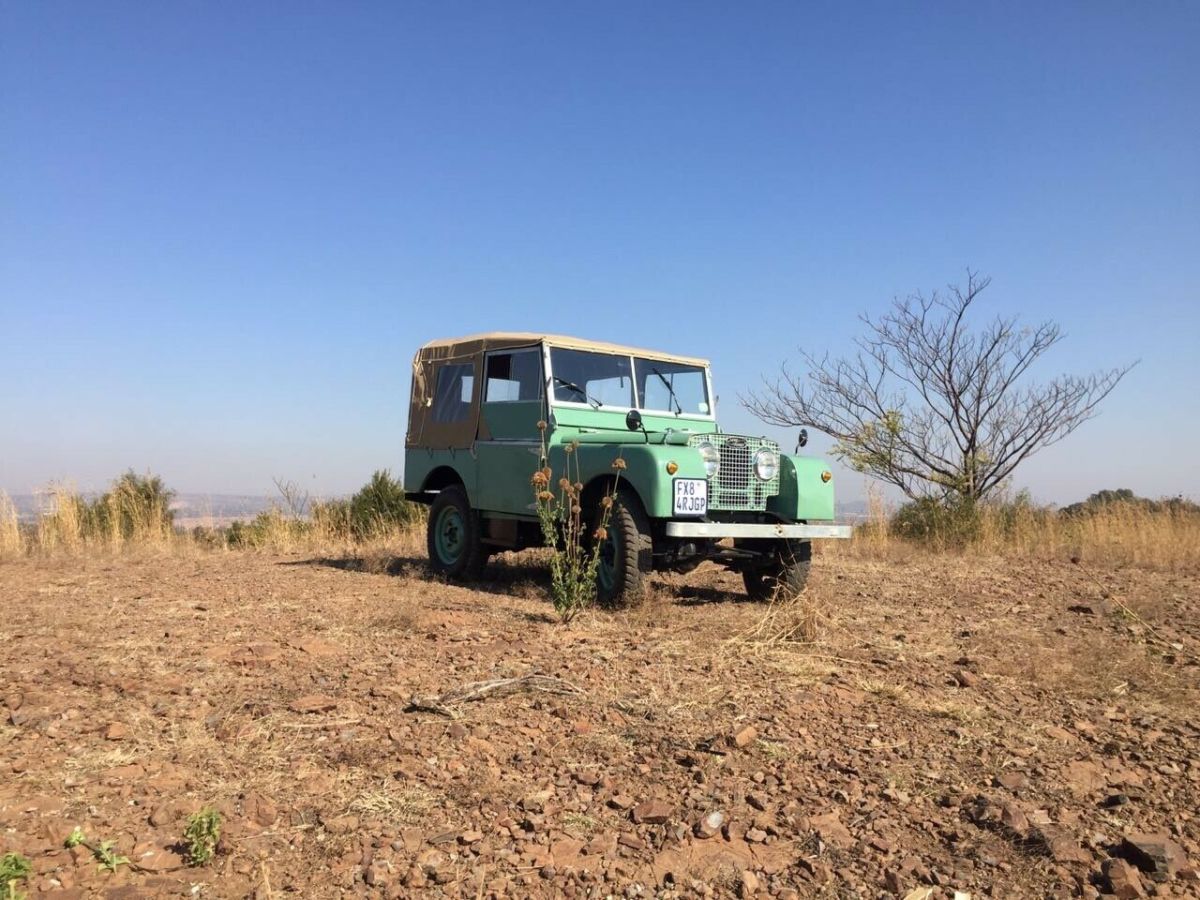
(606, 570)
(450, 535)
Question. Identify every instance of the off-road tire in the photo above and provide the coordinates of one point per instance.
(451, 513)
(785, 577)
(633, 551)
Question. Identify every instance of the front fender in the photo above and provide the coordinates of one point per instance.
(803, 496)
(645, 470)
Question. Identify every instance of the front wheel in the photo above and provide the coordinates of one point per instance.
(626, 553)
(784, 576)
(455, 549)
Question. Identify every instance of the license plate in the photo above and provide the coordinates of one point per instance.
(691, 496)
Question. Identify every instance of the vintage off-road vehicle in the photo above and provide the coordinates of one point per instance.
(473, 443)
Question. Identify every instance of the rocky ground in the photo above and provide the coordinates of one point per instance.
(961, 727)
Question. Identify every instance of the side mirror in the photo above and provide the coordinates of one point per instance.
(802, 438)
(633, 420)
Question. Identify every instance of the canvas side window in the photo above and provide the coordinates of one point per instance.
(513, 377)
(452, 395)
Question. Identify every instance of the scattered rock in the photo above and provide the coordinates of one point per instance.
(1059, 845)
(1014, 819)
(743, 737)
(1084, 776)
(1155, 854)
(966, 678)
(749, 885)
(1122, 880)
(1013, 781)
(163, 814)
(341, 824)
(710, 825)
(652, 812)
(157, 859)
(260, 810)
(829, 828)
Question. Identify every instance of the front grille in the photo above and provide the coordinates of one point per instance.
(735, 485)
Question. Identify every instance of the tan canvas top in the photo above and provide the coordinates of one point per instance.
(424, 429)
(452, 348)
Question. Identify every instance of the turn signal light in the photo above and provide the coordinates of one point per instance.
(826, 476)
(672, 467)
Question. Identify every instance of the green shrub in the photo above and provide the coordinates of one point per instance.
(13, 868)
(1107, 500)
(952, 522)
(201, 836)
(380, 506)
(270, 528)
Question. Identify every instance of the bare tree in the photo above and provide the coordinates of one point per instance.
(932, 406)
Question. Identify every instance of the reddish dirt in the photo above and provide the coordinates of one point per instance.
(981, 726)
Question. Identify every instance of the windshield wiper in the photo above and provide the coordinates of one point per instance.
(670, 390)
(596, 404)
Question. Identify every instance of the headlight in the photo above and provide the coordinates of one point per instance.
(712, 459)
(766, 464)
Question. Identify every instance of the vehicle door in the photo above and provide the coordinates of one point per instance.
(509, 444)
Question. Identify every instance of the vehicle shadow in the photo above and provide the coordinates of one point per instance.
(384, 565)
(690, 595)
(516, 578)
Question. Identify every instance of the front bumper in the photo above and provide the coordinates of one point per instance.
(719, 530)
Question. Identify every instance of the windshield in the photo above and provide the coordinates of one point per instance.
(606, 379)
(596, 378)
(674, 387)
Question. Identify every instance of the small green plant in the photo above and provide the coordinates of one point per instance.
(573, 566)
(13, 868)
(202, 835)
(104, 852)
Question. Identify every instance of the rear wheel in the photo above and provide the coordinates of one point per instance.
(455, 549)
(626, 553)
(784, 576)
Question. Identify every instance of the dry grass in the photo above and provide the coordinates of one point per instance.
(12, 544)
(119, 521)
(59, 524)
(1129, 534)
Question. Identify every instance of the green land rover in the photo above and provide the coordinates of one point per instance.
(689, 491)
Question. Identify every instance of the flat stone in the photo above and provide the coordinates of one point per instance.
(831, 830)
(652, 812)
(743, 737)
(1122, 880)
(1155, 854)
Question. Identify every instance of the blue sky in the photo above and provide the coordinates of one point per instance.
(226, 227)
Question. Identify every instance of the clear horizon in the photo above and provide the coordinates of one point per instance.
(226, 231)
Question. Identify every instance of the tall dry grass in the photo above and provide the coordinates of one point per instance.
(60, 523)
(12, 542)
(135, 512)
(1132, 534)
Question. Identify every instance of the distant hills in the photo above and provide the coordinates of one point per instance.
(189, 509)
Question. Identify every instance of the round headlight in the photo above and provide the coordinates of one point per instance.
(766, 464)
(712, 459)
